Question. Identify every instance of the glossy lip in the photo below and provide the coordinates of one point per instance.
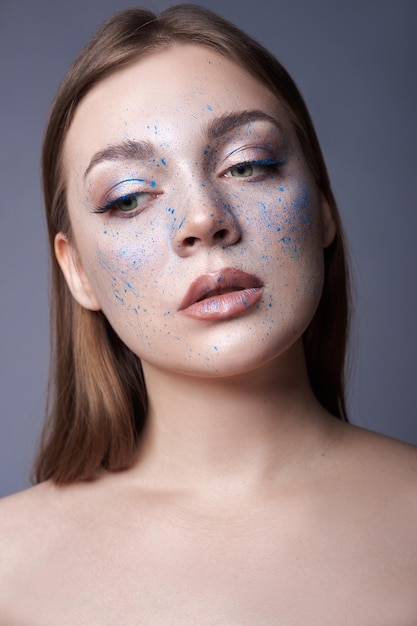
(222, 294)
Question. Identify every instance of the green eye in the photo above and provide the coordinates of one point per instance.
(254, 169)
(130, 202)
(243, 170)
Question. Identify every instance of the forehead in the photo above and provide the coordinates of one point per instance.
(173, 89)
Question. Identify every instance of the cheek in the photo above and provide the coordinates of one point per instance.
(284, 221)
(299, 230)
(291, 252)
(124, 271)
(298, 226)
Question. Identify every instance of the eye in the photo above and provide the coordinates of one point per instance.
(127, 203)
(130, 202)
(242, 170)
(254, 169)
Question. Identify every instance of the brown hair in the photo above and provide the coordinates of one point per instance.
(97, 395)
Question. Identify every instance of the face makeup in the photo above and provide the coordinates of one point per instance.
(221, 295)
(197, 223)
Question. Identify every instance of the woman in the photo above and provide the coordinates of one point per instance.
(198, 466)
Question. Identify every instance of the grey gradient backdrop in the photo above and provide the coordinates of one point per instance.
(355, 63)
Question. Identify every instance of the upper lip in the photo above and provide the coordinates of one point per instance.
(221, 281)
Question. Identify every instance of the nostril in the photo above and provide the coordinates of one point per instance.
(220, 234)
(189, 241)
(204, 236)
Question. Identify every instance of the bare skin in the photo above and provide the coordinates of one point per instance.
(247, 504)
(317, 526)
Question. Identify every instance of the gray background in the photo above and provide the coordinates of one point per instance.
(355, 63)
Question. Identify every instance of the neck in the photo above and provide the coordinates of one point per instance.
(240, 431)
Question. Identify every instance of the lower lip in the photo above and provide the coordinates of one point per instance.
(224, 306)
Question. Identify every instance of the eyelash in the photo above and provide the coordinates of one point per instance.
(268, 165)
(111, 205)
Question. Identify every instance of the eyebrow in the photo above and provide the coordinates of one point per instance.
(230, 121)
(124, 151)
(131, 150)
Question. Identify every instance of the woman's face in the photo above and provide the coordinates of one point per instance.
(198, 228)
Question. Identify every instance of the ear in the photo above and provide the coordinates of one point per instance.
(328, 222)
(77, 281)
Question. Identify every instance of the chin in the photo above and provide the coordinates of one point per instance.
(232, 359)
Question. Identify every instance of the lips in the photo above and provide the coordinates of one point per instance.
(221, 295)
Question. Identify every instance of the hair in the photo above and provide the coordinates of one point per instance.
(97, 399)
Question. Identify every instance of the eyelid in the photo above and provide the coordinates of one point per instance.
(256, 153)
(269, 165)
(115, 194)
(262, 162)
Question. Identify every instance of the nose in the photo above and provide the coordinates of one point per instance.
(206, 224)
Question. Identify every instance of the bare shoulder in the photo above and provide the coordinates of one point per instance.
(35, 526)
(23, 519)
(21, 534)
(33, 521)
(380, 474)
(380, 455)
(18, 508)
